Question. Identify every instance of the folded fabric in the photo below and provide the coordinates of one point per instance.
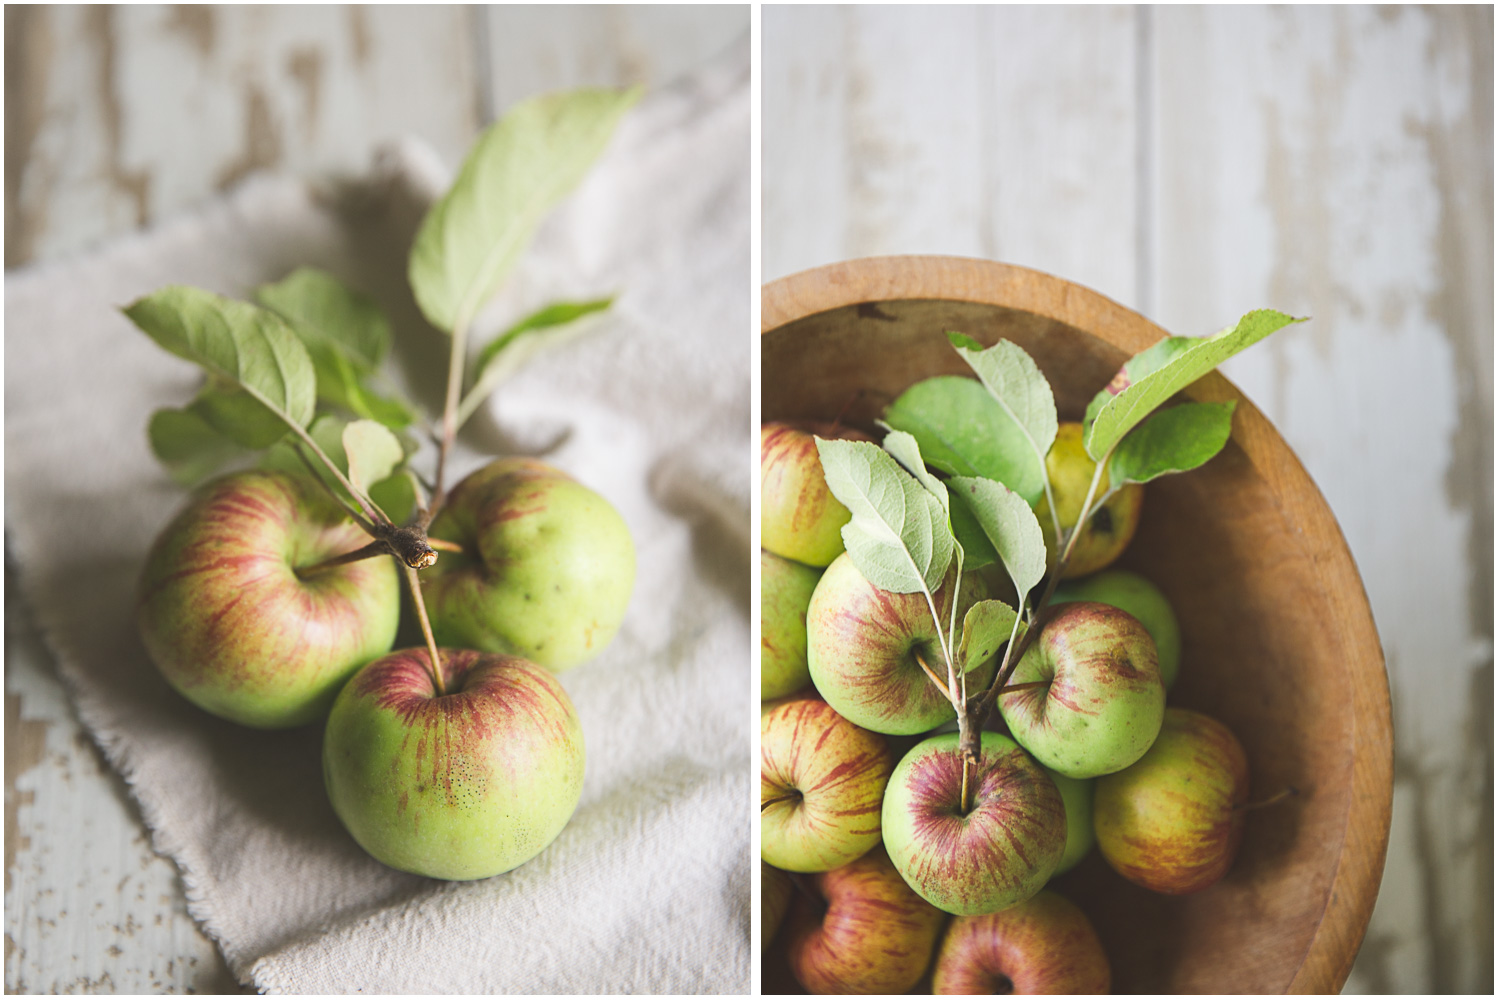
(648, 887)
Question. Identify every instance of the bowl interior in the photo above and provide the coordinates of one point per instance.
(1266, 647)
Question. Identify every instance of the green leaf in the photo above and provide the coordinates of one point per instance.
(240, 343)
(233, 412)
(907, 453)
(978, 551)
(396, 495)
(323, 310)
(1010, 524)
(898, 537)
(341, 384)
(1157, 374)
(190, 449)
(518, 170)
(372, 451)
(962, 431)
(986, 627)
(1172, 440)
(1025, 398)
(327, 431)
(505, 354)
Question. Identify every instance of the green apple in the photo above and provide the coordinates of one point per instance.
(800, 518)
(874, 936)
(546, 569)
(1173, 820)
(1100, 704)
(1108, 532)
(460, 785)
(1141, 598)
(864, 646)
(998, 853)
(1043, 945)
(785, 591)
(822, 780)
(1077, 797)
(233, 620)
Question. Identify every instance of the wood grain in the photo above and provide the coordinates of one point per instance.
(1278, 641)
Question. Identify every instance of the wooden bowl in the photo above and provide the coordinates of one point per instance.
(1278, 641)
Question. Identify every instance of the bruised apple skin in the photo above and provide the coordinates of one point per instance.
(800, 519)
(1043, 945)
(233, 622)
(876, 935)
(546, 570)
(1109, 531)
(863, 644)
(461, 785)
(1171, 822)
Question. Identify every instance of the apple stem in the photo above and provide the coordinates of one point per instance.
(1027, 686)
(443, 545)
(1279, 796)
(931, 674)
(965, 803)
(375, 548)
(790, 796)
(421, 613)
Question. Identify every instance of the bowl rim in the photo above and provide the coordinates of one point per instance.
(1350, 903)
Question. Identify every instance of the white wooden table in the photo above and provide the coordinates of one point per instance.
(1193, 163)
(119, 117)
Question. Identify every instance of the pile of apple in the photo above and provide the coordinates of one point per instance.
(884, 858)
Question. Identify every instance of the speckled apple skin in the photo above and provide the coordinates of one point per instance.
(1110, 530)
(1043, 945)
(785, 592)
(546, 572)
(231, 626)
(1103, 706)
(876, 936)
(1168, 822)
(998, 854)
(800, 518)
(1141, 598)
(862, 644)
(457, 786)
(840, 771)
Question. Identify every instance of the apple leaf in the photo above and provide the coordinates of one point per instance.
(907, 453)
(987, 626)
(505, 354)
(241, 344)
(1157, 374)
(978, 551)
(396, 495)
(1024, 396)
(233, 412)
(964, 433)
(1172, 440)
(373, 453)
(190, 449)
(517, 171)
(898, 537)
(1010, 524)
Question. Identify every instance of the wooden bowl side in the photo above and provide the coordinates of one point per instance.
(1278, 639)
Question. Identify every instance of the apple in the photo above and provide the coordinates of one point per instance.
(785, 591)
(1101, 706)
(1172, 821)
(1141, 598)
(546, 569)
(776, 889)
(800, 518)
(997, 854)
(876, 935)
(822, 780)
(1108, 532)
(1043, 945)
(1077, 798)
(460, 785)
(232, 620)
(863, 644)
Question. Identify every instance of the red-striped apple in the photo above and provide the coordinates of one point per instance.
(1043, 945)
(785, 591)
(800, 518)
(1141, 598)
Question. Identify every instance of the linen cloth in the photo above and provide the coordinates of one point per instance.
(648, 887)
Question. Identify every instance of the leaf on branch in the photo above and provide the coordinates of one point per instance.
(1024, 397)
(978, 551)
(1010, 525)
(963, 432)
(241, 344)
(507, 353)
(373, 453)
(986, 628)
(898, 537)
(518, 170)
(396, 495)
(231, 411)
(1158, 373)
(190, 449)
(1172, 440)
